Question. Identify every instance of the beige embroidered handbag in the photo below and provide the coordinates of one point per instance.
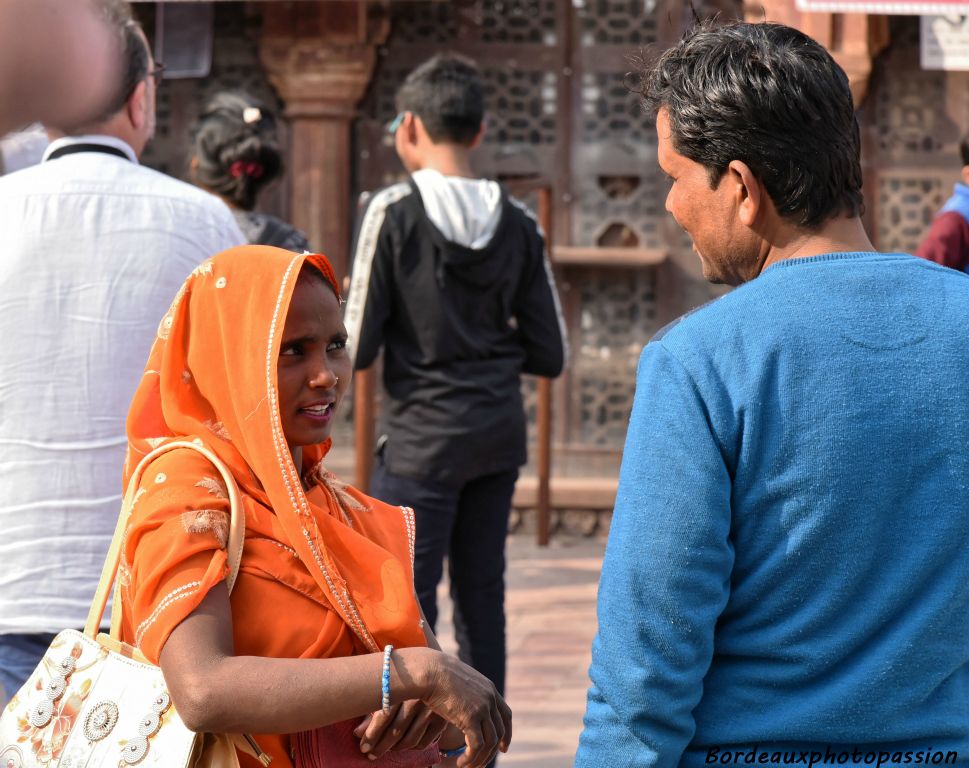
(95, 702)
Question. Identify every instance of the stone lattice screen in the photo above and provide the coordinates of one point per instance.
(912, 121)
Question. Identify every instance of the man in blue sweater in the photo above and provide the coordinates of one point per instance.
(787, 574)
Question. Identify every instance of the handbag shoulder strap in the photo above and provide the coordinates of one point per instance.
(237, 535)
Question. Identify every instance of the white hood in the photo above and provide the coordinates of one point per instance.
(466, 211)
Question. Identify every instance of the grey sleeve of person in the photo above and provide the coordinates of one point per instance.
(538, 312)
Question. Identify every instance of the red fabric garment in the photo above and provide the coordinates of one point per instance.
(947, 241)
(333, 747)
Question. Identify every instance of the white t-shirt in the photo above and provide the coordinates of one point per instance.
(94, 248)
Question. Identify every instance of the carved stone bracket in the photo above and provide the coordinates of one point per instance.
(853, 39)
(320, 58)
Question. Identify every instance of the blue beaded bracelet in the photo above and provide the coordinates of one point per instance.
(445, 753)
(385, 680)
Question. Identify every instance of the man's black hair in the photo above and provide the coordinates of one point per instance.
(446, 93)
(964, 149)
(772, 97)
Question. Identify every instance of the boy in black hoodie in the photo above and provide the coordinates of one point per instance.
(450, 276)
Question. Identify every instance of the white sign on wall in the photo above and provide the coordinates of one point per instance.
(945, 42)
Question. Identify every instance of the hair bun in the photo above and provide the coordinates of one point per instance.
(250, 168)
(236, 148)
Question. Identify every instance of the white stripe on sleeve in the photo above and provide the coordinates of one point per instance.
(373, 221)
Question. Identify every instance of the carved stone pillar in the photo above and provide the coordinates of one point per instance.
(853, 39)
(320, 58)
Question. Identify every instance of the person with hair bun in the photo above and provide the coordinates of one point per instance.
(235, 155)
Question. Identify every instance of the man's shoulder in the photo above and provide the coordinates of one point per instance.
(386, 197)
(24, 180)
(952, 221)
(162, 185)
(128, 179)
(691, 317)
(714, 311)
(952, 216)
(376, 209)
(949, 220)
(947, 241)
(763, 306)
(520, 209)
(701, 330)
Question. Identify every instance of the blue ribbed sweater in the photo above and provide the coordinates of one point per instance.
(788, 562)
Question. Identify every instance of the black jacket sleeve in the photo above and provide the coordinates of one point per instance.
(541, 328)
(371, 284)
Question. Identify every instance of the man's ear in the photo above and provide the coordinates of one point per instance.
(137, 105)
(965, 175)
(413, 127)
(748, 193)
(478, 137)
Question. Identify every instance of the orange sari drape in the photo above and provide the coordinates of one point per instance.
(326, 572)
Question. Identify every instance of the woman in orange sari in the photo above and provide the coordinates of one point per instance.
(251, 361)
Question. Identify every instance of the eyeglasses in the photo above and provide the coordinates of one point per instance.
(157, 72)
(394, 124)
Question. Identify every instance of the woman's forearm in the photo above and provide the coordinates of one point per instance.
(250, 694)
(216, 691)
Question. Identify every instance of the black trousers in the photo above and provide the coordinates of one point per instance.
(468, 523)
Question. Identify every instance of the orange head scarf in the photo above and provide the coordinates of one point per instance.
(212, 375)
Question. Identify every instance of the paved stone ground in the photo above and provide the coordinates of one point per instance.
(551, 622)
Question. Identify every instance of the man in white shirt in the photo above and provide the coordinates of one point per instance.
(95, 247)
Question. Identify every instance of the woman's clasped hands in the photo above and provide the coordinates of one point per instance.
(451, 704)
